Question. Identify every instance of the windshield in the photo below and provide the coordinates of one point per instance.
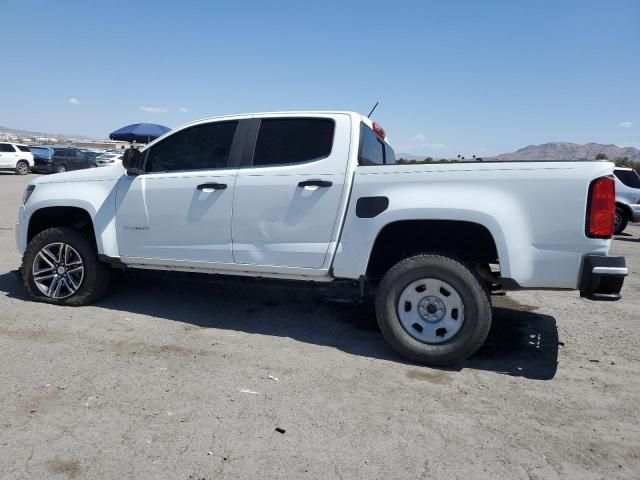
(629, 177)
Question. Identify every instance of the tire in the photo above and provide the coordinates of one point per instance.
(465, 327)
(61, 168)
(22, 167)
(91, 286)
(621, 220)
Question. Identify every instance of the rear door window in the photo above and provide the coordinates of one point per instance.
(283, 141)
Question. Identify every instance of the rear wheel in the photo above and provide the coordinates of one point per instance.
(61, 266)
(61, 168)
(433, 310)
(22, 167)
(620, 221)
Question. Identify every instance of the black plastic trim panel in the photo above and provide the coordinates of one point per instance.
(369, 207)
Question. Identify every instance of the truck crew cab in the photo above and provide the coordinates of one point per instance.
(318, 197)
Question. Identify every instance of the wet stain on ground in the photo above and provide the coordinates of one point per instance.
(58, 466)
(505, 301)
(438, 378)
(168, 349)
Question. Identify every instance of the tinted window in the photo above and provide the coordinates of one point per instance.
(61, 152)
(23, 148)
(371, 148)
(196, 148)
(293, 140)
(629, 177)
(5, 147)
(373, 151)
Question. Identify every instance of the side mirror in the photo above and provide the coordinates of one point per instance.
(132, 161)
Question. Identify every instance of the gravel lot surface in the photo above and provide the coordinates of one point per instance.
(166, 379)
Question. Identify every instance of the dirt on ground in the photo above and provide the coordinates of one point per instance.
(173, 379)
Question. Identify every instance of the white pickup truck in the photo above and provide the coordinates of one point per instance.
(318, 197)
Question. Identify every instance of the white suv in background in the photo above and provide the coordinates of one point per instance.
(15, 157)
(627, 198)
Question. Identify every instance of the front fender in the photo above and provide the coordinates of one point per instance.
(97, 198)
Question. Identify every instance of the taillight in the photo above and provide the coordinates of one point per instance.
(601, 207)
(379, 130)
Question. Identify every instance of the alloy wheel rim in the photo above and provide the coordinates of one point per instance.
(58, 270)
(22, 168)
(430, 310)
(617, 220)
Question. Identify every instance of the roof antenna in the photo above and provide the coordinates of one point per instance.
(374, 107)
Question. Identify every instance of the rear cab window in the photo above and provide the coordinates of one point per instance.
(628, 177)
(286, 141)
(373, 150)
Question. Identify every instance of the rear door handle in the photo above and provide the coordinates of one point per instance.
(212, 187)
(315, 183)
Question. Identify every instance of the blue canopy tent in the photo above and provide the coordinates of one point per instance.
(139, 132)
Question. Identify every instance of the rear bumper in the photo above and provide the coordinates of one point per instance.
(602, 277)
(42, 168)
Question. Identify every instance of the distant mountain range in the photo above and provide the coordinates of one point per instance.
(569, 151)
(546, 151)
(554, 151)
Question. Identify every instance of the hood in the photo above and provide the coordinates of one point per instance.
(87, 175)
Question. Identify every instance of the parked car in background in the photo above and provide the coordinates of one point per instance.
(16, 157)
(60, 159)
(109, 158)
(41, 157)
(627, 198)
(92, 155)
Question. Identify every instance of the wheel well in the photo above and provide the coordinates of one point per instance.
(60, 217)
(466, 241)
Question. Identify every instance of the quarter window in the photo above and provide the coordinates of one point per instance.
(284, 141)
(203, 147)
(24, 148)
(373, 151)
(628, 177)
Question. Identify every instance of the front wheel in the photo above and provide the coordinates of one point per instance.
(61, 266)
(433, 310)
(22, 168)
(620, 221)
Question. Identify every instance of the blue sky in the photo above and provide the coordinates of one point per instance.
(466, 77)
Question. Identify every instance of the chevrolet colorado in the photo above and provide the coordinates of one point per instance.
(319, 197)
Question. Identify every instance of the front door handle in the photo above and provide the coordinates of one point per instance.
(212, 187)
(315, 183)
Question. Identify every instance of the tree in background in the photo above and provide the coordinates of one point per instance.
(602, 156)
(625, 162)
